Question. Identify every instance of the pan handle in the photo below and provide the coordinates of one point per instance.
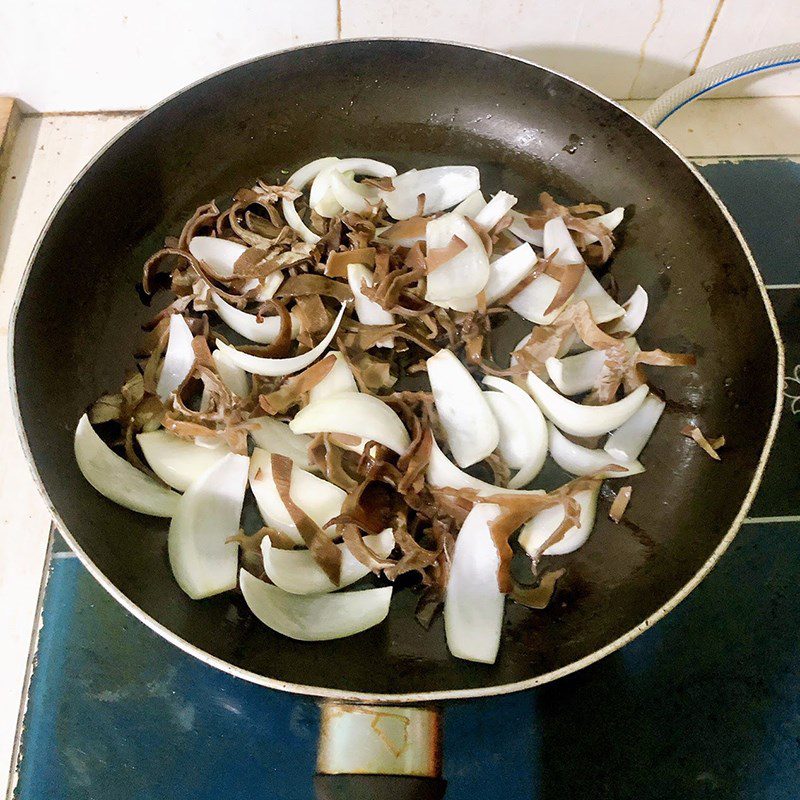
(370, 751)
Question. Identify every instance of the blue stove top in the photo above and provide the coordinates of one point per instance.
(704, 705)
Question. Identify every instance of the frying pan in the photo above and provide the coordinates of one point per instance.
(411, 103)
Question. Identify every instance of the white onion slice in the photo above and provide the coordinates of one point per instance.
(352, 414)
(297, 572)
(299, 180)
(471, 428)
(178, 461)
(508, 270)
(610, 220)
(245, 324)
(314, 617)
(218, 254)
(179, 358)
(463, 275)
(208, 514)
(442, 472)
(579, 373)
(266, 286)
(538, 530)
(520, 228)
(635, 311)
(473, 604)
(495, 210)
(116, 479)
(320, 499)
(443, 188)
(349, 194)
(582, 420)
(471, 205)
(235, 378)
(280, 366)
(368, 311)
(275, 436)
(523, 429)
(339, 379)
(630, 438)
(579, 460)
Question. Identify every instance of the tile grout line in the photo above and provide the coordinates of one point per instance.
(702, 49)
(767, 520)
(783, 286)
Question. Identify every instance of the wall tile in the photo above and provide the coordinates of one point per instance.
(624, 48)
(744, 26)
(86, 55)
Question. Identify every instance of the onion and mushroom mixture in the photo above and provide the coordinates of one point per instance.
(329, 344)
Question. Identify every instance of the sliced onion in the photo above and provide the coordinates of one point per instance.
(218, 254)
(275, 436)
(608, 220)
(247, 325)
(334, 188)
(628, 441)
(443, 188)
(580, 373)
(368, 311)
(472, 431)
(178, 461)
(299, 180)
(538, 530)
(116, 479)
(351, 196)
(508, 270)
(315, 617)
(179, 358)
(471, 205)
(473, 605)
(523, 430)
(320, 499)
(635, 312)
(202, 561)
(321, 197)
(578, 460)
(464, 275)
(442, 472)
(297, 572)
(535, 299)
(339, 379)
(495, 210)
(519, 227)
(582, 420)
(280, 366)
(266, 286)
(352, 414)
(235, 378)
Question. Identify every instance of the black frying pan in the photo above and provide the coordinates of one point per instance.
(412, 103)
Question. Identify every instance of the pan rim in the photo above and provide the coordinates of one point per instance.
(439, 694)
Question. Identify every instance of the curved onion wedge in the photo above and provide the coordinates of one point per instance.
(296, 571)
(320, 499)
(635, 310)
(368, 311)
(178, 461)
(579, 373)
(471, 205)
(247, 325)
(266, 286)
(473, 603)
(443, 188)
(334, 189)
(274, 436)
(314, 617)
(582, 420)
(630, 438)
(535, 299)
(523, 430)
(495, 210)
(508, 270)
(218, 254)
(352, 414)
(578, 460)
(520, 228)
(471, 428)
(116, 479)
(339, 379)
(207, 515)
(235, 378)
(464, 275)
(280, 366)
(538, 530)
(299, 180)
(179, 358)
(442, 472)
(350, 195)
(610, 220)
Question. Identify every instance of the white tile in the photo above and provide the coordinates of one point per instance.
(87, 55)
(46, 156)
(623, 48)
(733, 127)
(744, 26)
